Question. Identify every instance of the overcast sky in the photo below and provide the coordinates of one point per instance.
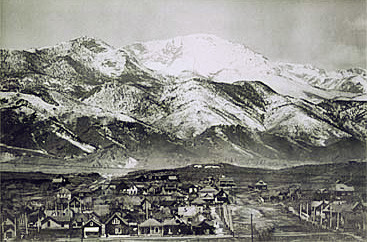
(329, 34)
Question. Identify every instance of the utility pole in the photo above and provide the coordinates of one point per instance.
(307, 209)
(331, 216)
(252, 230)
(321, 214)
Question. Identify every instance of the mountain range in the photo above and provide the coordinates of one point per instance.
(190, 98)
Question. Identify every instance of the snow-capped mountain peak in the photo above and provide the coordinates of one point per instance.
(202, 55)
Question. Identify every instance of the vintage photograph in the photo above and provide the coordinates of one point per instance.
(183, 120)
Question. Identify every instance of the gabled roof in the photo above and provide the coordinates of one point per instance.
(57, 219)
(64, 190)
(203, 223)
(94, 221)
(208, 189)
(198, 201)
(117, 215)
(150, 223)
(221, 192)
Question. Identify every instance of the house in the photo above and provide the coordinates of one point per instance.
(169, 188)
(92, 228)
(193, 189)
(56, 222)
(8, 225)
(207, 193)
(343, 190)
(76, 204)
(150, 227)
(203, 228)
(226, 182)
(261, 185)
(116, 225)
(221, 197)
(9, 232)
(174, 227)
(132, 189)
(64, 193)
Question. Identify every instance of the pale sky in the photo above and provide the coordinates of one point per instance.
(327, 33)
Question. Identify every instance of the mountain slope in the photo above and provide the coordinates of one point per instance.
(189, 98)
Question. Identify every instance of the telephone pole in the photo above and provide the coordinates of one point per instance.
(252, 230)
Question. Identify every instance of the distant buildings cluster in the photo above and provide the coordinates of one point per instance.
(148, 205)
(337, 207)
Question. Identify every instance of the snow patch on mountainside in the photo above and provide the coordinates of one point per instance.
(85, 147)
(289, 120)
(93, 53)
(196, 107)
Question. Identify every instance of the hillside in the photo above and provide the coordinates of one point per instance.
(191, 98)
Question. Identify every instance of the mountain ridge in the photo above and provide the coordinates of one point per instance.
(133, 110)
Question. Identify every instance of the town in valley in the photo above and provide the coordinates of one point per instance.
(201, 201)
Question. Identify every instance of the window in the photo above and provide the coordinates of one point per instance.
(91, 223)
(156, 229)
(49, 224)
(115, 221)
(62, 225)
